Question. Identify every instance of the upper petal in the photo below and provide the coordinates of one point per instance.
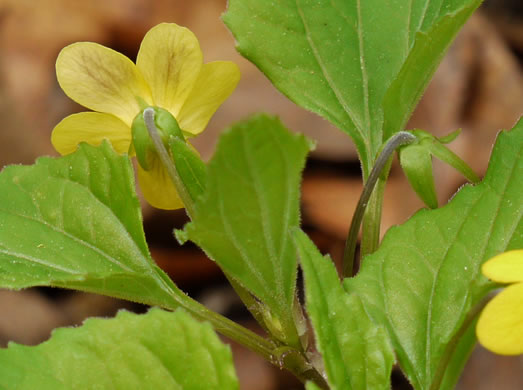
(215, 83)
(500, 326)
(157, 187)
(101, 79)
(505, 268)
(170, 60)
(93, 128)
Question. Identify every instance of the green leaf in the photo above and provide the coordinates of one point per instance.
(357, 353)
(157, 350)
(338, 58)
(426, 276)
(75, 222)
(251, 204)
(430, 45)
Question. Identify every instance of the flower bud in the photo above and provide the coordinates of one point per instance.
(416, 161)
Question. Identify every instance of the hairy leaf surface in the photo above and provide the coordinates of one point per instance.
(426, 276)
(75, 222)
(251, 204)
(356, 351)
(157, 350)
(339, 58)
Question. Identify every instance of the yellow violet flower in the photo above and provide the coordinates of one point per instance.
(169, 73)
(500, 325)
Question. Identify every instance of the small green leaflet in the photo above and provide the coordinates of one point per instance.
(251, 204)
(425, 277)
(157, 350)
(75, 222)
(356, 352)
(338, 58)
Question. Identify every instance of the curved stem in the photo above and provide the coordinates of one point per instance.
(298, 364)
(286, 357)
(400, 138)
(453, 343)
(148, 117)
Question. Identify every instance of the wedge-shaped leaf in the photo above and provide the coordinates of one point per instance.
(157, 350)
(338, 58)
(75, 222)
(244, 219)
(426, 275)
(357, 353)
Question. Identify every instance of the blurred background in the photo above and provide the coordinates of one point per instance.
(478, 87)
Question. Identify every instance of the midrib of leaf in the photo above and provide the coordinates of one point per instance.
(263, 210)
(357, 124)
(424, 13)
(230, 231)
(363, 66)
(339, 342)
(37, 261)
(75, 239)
(321, 295)
(381, 281)
(483, 251)
(60, 220)
(288, 200)
(409, 29)
(236, 243)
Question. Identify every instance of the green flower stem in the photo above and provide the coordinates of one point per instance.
(457, 163)
(148, 116)
(294, 360)
(286, 357)
(371, 226)
(453, 343)
(371, 232)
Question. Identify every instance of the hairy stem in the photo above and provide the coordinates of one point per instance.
(148, 117)
(373, 216)
(293, 360)
(274, 352)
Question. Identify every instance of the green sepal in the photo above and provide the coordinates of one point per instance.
(191, 169)
(416, 162)
(447, 139)
(446, 155)
(143, 145)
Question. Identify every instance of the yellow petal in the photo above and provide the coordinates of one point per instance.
(93, 128)
(215, 83)
(500, 326)
(101, 79)
(157, 187)
(170, 60)
(505, 268)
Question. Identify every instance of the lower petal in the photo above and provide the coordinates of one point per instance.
(215, 83)
(158, 188)
(93, 128)
(500, 326)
